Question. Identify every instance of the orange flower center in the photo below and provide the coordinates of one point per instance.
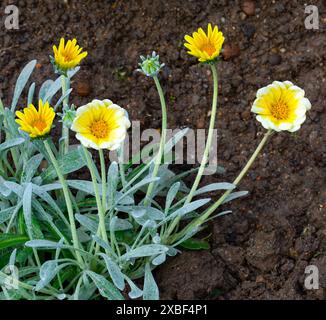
(39, 124)
(209, 48)
(99, 129)
(280, 110)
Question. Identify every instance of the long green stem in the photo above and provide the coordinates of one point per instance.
(162, 142)
(205, 158)
(209, 137)
(64, 144)
(103, 174)
(101, 212)
(67, 199)
(200, 220)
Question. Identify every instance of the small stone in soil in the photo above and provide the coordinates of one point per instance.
(230, 51)
(83, 89)
(275, 59)
(248, 7)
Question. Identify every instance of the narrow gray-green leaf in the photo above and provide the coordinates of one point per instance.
(21, 82)
(151, 291)
(106, 288)
(27, 207)
(214, 187)
(31, 94)
(114, 271)
(235, 195)
(11, 143)
(147, 250)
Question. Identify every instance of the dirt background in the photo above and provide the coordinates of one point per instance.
(261, 250)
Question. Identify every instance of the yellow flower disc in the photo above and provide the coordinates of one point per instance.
(101, 125)
(37, 123)
(281, 106)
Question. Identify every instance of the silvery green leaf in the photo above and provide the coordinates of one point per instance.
(151, 291)
(147, 250)
(114, 271)
(11, 143)
(122, 225)
(172, 252)
(31, 167)
(137, 186)
(48, 271)
(104, 245)
(127, 200)
(87, 223)
(6, 214)
(27, 207)
(72, 72)
(159, 259)
(106, 288)
(135, 291)
(70, 162)
(174, 140)
(142, 214)
(59, 102)
(192, 206)
(16, 188)
(235, 195)
(171, 195)
(214, 187)
(51, 91)
(3, 189)
(21, 82)
(51, 186)
(40, 192)
(43, 244)
(84, 185)
(31, 94)
(12, 125)
(44, 89)
(112, 182)
(12, 258)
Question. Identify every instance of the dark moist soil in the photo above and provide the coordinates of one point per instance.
(260, 251)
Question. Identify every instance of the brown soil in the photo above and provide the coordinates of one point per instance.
(261, 250)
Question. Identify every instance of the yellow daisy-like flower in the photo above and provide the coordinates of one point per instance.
(206, 47)
(68, 56)
(37, 123)
(281, 106)
(101, 125)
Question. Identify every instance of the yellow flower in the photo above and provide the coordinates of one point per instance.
(101, 125)
(37, 123)
(68, 56)
(206, 47)
(281, 106)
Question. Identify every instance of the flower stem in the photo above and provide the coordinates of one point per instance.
(162, 142)
(209, 137)
(97, 196)
(200, 220)
(67, 199)
(205, 158)
(64, 145)
(103, 174)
